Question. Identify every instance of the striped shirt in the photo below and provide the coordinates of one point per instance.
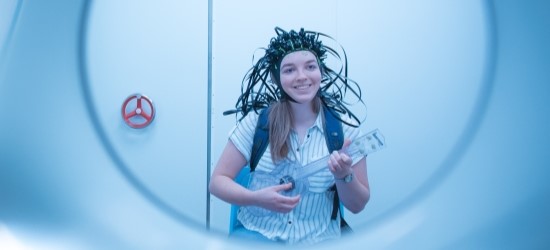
(310, 221)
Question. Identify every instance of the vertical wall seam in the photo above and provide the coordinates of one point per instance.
(209, 116)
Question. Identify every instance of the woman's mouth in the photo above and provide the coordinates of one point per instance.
(304, 86)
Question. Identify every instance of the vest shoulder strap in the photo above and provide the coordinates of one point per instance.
(261, 139)
(334, 133)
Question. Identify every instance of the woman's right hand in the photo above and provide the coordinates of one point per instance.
(270, 198)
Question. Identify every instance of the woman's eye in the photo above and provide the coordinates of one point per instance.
(312, 66)
(288, 70)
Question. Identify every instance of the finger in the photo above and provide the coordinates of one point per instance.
(286, 203)
(345, 146)
(345, 159)
(294, 200)
(291, 202)
(283, 187)
(333, 162)
(287, 208)
(338, 159)
(335, 157)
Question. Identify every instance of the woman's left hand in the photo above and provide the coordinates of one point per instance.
(339, 162)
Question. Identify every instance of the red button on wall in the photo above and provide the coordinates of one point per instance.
(138, 111)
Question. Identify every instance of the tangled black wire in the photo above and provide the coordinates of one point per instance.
(258, 91)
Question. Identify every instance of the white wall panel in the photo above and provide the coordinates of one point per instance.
(422, 66)
(158, 49)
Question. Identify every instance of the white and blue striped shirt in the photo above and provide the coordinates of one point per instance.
(310, 221)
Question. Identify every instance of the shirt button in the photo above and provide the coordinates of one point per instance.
(289, 222)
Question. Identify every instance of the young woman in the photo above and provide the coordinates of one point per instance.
(301, 87)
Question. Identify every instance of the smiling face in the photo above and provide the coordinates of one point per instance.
(300, 76)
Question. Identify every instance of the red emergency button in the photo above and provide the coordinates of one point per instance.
(138, 111)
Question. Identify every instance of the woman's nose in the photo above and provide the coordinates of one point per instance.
(301, 74)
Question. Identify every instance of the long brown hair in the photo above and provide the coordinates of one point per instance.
(280, 126)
